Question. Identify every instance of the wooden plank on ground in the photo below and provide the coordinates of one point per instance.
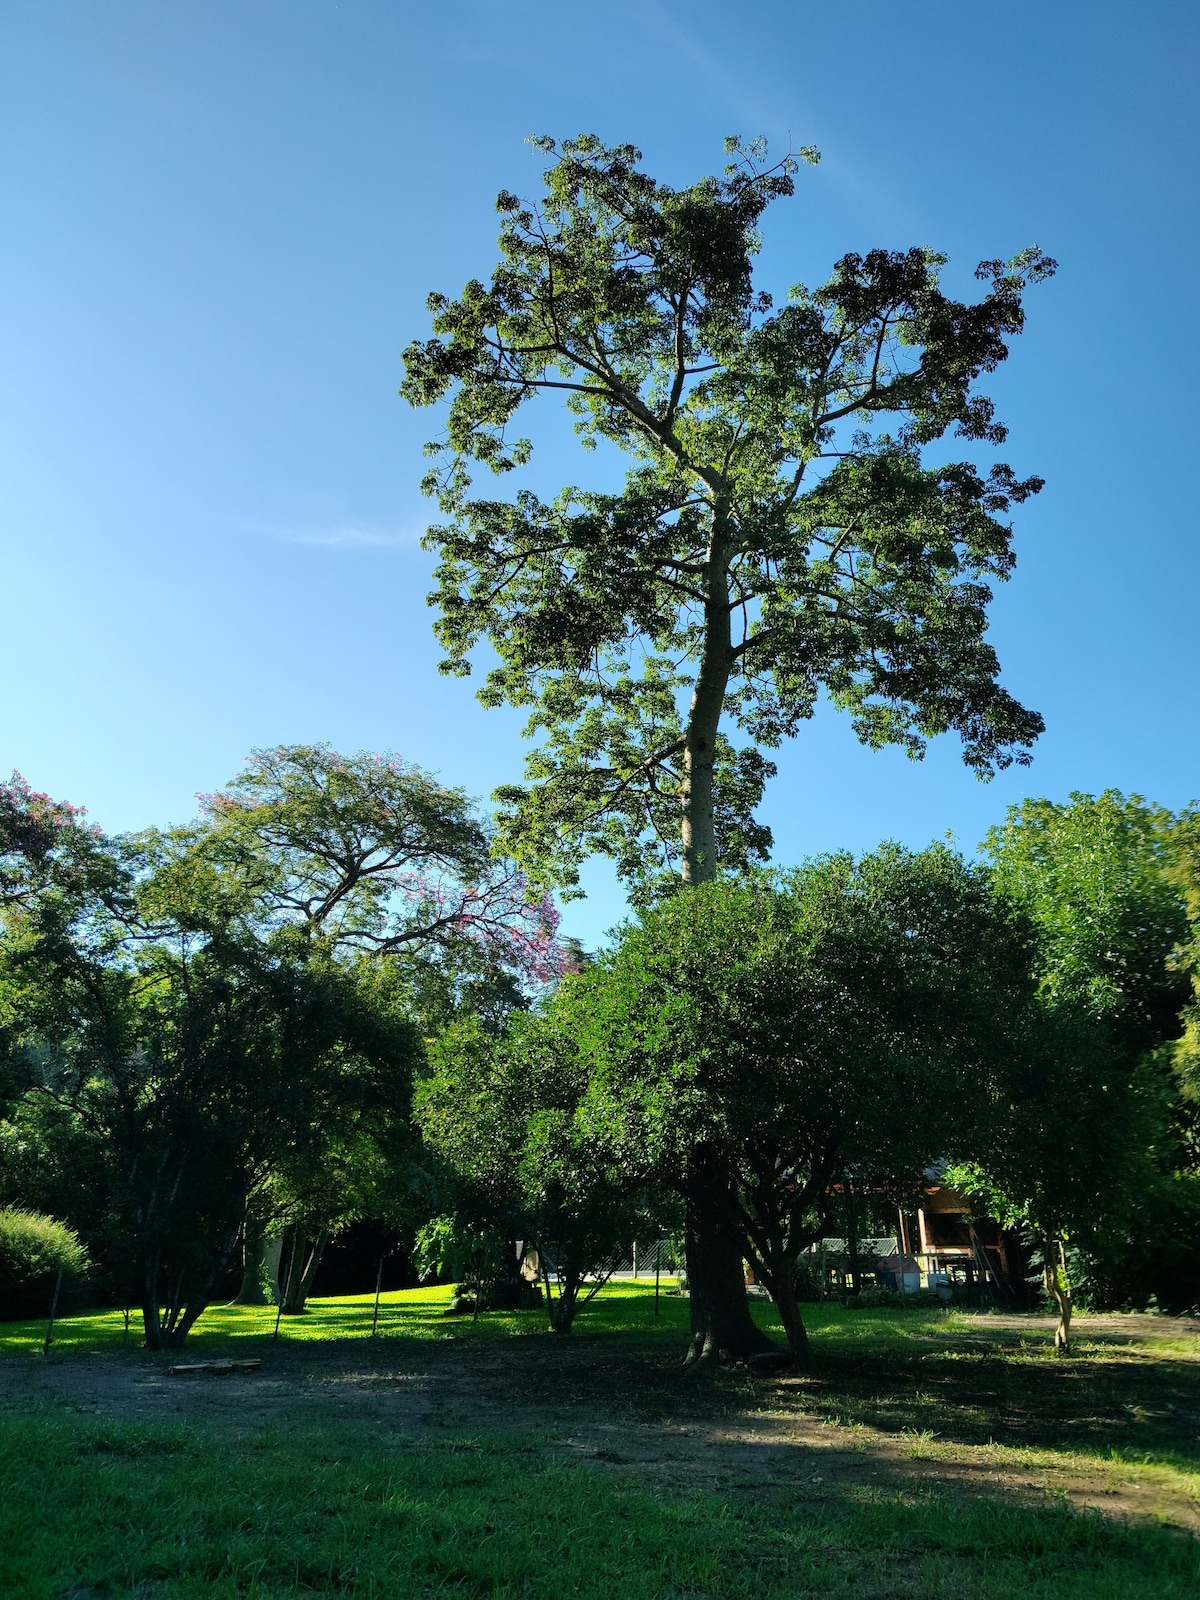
(216, 1368)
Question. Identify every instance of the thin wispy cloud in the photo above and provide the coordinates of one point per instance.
(759, 111)
(351, 536)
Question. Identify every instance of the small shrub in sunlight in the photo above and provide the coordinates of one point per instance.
(33, 1250)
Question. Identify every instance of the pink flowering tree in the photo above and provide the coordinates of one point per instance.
(369, 861)
(369, 855)
(43, 843)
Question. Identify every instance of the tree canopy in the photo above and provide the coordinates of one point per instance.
(783, 529)
(1087, 1151)
(209, 1026)
(864, 1023)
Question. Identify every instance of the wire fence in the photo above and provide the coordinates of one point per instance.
(642, 1258)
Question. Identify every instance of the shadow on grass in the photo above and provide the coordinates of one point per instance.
(656, 1485)
(968, 1379)
(104, 1507)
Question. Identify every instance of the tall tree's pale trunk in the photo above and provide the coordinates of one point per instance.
(301, 1272)
(696, 799)
(721, 1323)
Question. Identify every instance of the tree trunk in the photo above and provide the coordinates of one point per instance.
(183, 1311)
(783, 1292)
(1054, 1275)
(696, 798)
(151, 1315)
(260, 1268)
(721, 1324)
(300, 1279)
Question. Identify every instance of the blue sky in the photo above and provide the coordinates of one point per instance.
(220, 225)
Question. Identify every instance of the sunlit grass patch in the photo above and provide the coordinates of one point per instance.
(625, 1307)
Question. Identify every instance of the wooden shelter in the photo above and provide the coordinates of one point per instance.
(953, 1251)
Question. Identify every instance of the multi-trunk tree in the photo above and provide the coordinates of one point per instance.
(205, 1032)
(784, 530)
(502, 1115)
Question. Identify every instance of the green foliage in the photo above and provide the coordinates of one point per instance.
(853, 1016)
(503, 1114)
(780, 533)
(1093, 876)
(304, 837)
(823, 1015)
(213, 1031)
(1089, 1153)
(34, 1246)
(441, 1250)
(1183, 869)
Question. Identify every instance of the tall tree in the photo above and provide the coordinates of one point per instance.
(782, 530)
(364, 854)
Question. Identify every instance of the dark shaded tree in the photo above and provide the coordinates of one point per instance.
(207, 1030)
(865, 1020)
(503, 1116)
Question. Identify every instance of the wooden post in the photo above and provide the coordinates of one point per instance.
(53, 1310)
(378, 1282)
(657, 1270)
(904, 1245)
(923, 1235)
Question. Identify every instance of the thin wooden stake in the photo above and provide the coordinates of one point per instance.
(53, 1310)
(378, 1283)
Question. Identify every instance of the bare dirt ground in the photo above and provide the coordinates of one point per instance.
(959, 1418)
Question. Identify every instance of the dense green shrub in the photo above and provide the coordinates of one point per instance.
(33, 1246)
(911, 1299)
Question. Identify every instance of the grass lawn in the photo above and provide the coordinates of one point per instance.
(929, 1454)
